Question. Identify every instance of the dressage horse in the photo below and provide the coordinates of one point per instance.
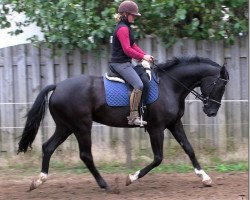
(78, 101)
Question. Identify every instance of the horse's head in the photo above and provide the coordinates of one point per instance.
(212, 89)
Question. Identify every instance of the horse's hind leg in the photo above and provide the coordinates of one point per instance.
(84, 141)
(179, 134)
(59, 136)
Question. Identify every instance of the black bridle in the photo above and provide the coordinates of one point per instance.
(205, 99)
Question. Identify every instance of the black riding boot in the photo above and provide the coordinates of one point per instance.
(133, 118)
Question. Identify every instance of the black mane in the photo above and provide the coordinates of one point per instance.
(187, 60)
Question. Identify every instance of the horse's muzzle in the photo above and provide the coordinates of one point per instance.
(210, 112)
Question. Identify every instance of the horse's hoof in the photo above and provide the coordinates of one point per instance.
(107, 189)
(207, 182)
(128, 181)
(32, 186)
(102, 184)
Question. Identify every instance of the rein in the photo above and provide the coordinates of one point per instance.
(196, 94)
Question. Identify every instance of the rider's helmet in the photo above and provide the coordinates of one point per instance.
(129, 7)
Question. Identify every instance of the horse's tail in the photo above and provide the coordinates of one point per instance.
(34, 118)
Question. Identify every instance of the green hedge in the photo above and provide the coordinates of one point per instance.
(73, 23)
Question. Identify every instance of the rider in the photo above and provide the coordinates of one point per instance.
(123, 50)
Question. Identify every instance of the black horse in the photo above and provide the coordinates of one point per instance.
(76, 102)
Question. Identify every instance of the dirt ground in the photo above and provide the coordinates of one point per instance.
(172, 186)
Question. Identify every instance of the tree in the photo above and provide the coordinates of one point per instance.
(197, 19)
(89, 24)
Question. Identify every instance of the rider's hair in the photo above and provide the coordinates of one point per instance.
(117, 17)
(120, 17)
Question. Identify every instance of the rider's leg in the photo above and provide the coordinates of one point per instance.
(145, 80)
(127, 71)
(133, 118)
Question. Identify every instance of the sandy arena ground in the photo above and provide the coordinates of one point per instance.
(172, 186)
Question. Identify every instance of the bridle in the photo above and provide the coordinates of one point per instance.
(205, 99)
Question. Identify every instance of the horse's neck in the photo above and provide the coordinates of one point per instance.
(191, 74)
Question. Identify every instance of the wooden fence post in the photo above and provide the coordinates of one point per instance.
(234, 89)
(128, 147)
(20, 87)
(47, 73)
(77, 62)
(35, 84)
(244, 82)
(8, 96)
(220, 130)
(193, 106)
(161, 52)
(1, 99)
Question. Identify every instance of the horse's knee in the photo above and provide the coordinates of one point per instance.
(157, 160)
(85, 156)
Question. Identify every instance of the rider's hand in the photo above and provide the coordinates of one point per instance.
(148, 58)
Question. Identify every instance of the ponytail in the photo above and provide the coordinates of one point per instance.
(121, 17)
(118, 17)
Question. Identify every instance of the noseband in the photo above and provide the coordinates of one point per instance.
(205, 99)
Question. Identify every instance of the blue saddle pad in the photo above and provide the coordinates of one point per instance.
(117, 93)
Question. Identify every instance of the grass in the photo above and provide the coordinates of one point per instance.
(242, 166)
(32, 162)
(116, 167)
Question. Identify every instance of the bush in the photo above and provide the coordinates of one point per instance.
(88, 24)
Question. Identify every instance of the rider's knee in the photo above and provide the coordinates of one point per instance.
(139, 87)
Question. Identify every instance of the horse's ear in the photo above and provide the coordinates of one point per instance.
(223, 73)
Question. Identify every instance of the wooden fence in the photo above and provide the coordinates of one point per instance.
(25, 69)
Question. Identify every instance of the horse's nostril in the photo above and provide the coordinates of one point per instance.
(212, 114)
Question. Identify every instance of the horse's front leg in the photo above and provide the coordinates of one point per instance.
(156, 139)
(179, 134)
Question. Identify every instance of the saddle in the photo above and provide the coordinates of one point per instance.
(117, 91)
(114, 77)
